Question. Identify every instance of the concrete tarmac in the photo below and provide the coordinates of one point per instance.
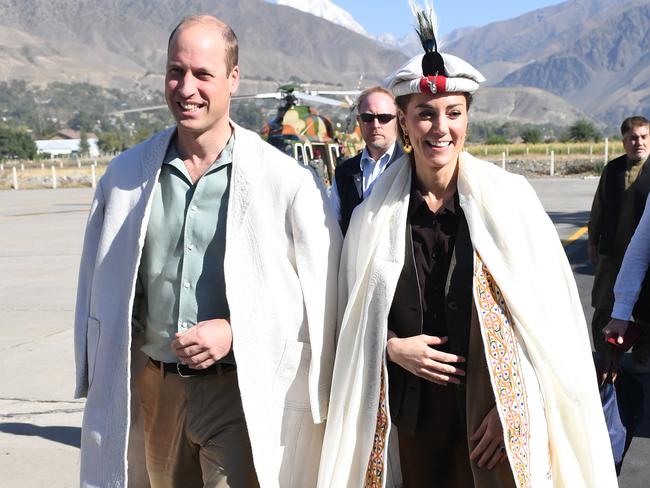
(40, 245)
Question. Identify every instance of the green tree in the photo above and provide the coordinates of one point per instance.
(16, 143)
(84, 147)
(112, 142)
(140, 135)
(496, 139)
(83, 120)
(582, 131)
(531, 135)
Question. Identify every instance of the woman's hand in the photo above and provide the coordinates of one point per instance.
(489, 437)
(414, 355)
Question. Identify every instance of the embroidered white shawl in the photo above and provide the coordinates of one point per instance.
(518, 244)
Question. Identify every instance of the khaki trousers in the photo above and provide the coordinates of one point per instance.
(195, 431)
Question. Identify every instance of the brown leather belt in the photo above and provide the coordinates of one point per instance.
(185, 371)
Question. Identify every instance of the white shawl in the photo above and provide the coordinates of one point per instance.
(518, 244)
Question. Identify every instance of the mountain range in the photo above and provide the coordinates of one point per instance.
(325, 10)
(591, 53)
(122, 43)
(578, 59)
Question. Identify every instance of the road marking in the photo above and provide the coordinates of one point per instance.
(574, 237)
(37, 214)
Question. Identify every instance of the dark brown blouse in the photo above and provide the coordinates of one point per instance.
(434, 235)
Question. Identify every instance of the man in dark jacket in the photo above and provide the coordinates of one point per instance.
(617, 208)
(355, 177)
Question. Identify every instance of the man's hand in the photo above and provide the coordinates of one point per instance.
(592, 253)
(616, 328)
(608, 365)
(489, 435)
(204, 344)
(414, 355)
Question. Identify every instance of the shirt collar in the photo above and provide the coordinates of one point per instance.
(632, 164)
(416, 200)
(384, 158)
(173, 157)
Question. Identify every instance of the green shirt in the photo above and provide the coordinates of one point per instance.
(180, 279)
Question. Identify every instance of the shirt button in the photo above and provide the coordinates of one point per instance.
(186, 284)
(193, 208)
(190, 247)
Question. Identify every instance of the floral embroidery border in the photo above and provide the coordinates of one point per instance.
(375, 470)
(505, 370)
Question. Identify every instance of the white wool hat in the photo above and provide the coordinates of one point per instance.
(459, 76)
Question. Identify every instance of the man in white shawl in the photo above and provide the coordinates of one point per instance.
(206, 309)
(463, 357)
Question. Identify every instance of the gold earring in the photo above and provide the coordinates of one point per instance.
(407, 144)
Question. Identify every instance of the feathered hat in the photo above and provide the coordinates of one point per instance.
(432, 72)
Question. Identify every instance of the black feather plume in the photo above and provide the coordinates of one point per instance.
(427, 30)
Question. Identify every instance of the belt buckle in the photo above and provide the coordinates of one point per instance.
(182, 375)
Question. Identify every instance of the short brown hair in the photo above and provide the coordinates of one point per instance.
(635, 121)
(369, 91)
(231, 44)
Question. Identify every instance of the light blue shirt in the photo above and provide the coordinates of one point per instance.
(181, 277)
(370, 171)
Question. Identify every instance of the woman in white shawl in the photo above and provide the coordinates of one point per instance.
(461, 331)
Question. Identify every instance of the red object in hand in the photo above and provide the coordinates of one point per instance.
(630, 338)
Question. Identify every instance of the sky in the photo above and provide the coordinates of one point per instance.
(394, 16)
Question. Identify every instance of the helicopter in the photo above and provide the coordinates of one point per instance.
(307, 135)
(300, 130)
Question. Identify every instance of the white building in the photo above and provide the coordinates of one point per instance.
(66, 147)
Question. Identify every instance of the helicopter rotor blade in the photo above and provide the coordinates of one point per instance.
(307, 97)
(353, 93)
(274, 96)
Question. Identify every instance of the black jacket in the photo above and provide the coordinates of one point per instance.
(612, 189)
(349, 183)
(405, 319)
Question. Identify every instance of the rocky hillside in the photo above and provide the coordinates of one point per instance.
(524, 105)
(577, 59)
(592, 53)
(122, 42)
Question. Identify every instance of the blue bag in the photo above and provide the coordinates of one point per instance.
(615, 427)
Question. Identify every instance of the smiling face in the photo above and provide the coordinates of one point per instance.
(636, 143)
(198, 86)
(436, 126)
